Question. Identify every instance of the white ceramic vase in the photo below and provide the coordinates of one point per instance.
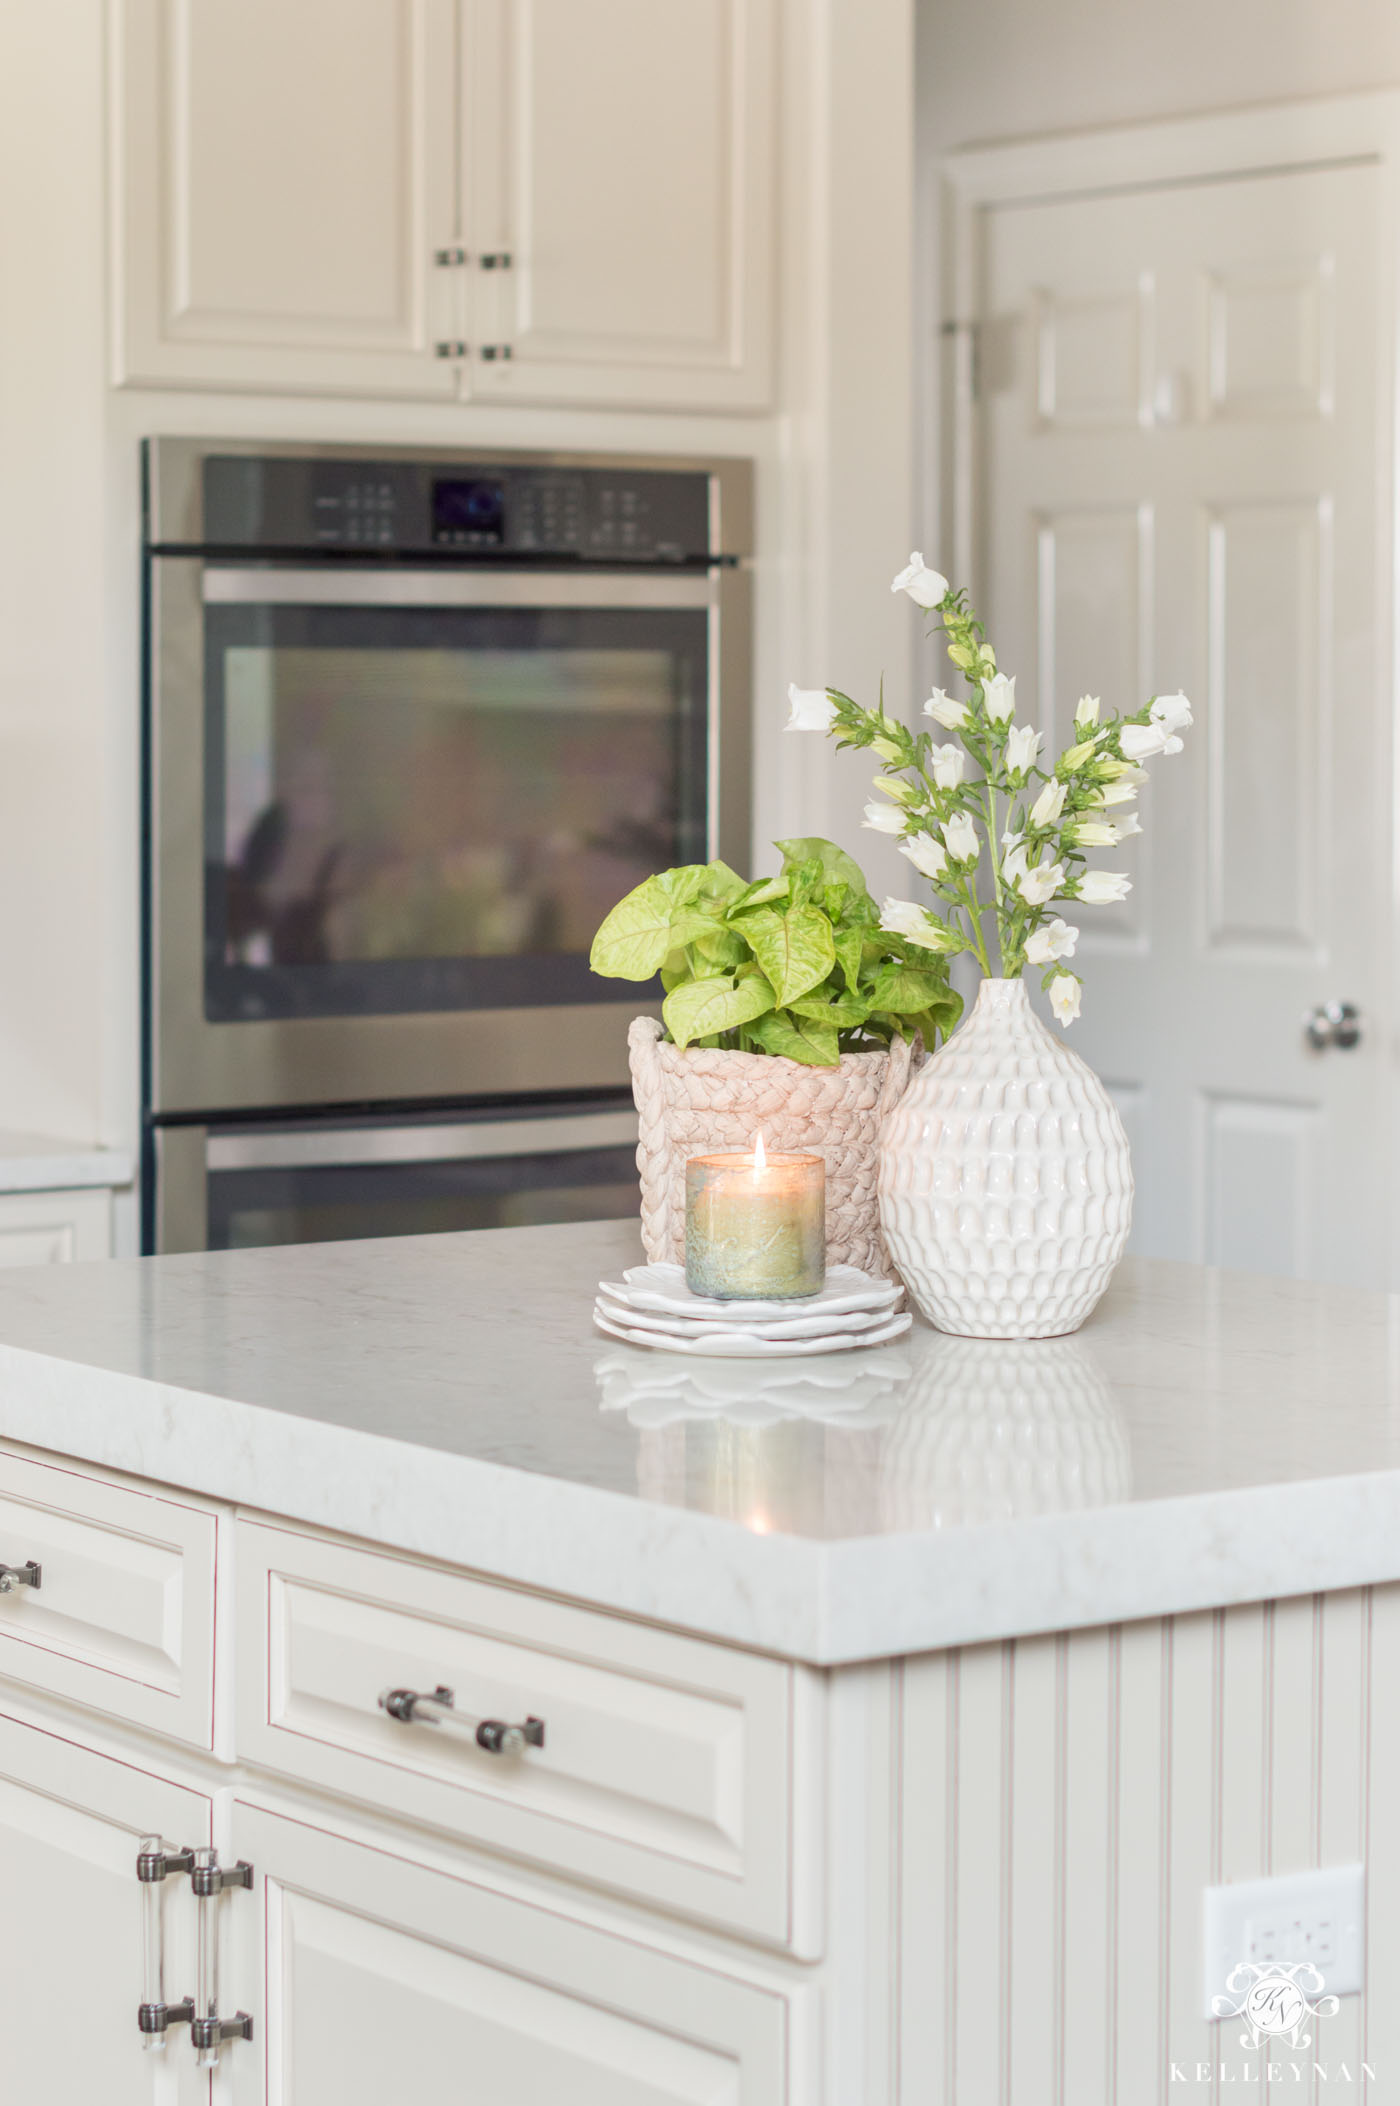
(1006, 1189)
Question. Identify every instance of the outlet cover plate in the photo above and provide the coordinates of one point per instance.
(1317, 1916)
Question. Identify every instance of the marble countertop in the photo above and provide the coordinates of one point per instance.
(32, 1162)
(1207, 1438)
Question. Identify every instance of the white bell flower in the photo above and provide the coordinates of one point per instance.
(1013, 863)
(928, 856)
(949, 763)
(960, 838)
(902, 918)
(1048, 805)
(1064, 994)
(812, 708)
(1141, 742)
(1040, 884)
(1092, 833)
(925, 587)
(1172, 712)
(945, 711)
(1056, 940)
(1100, 888)
(884, 818)
(1120, 792)
(1127, 823)
(1086, 711)
(1022, 745)
(999, 697)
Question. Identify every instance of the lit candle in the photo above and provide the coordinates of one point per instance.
(755, 1225)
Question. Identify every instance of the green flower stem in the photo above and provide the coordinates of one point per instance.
(975, 911)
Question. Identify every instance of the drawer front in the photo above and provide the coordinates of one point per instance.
(371, 1980)
(666, 1768)
(123, 1618)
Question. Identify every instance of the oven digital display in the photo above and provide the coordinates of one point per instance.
(470, 514)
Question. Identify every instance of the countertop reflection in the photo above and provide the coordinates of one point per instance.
(953, 1433)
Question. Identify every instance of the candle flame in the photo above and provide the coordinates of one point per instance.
(760, 1155)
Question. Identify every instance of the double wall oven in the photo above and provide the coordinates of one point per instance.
(414, 722)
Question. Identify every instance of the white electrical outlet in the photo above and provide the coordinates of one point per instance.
(1316, 1916)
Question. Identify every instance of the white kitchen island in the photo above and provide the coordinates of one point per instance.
(896, 1708)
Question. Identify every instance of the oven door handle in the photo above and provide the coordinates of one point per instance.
(225, 585)
(462, 1141)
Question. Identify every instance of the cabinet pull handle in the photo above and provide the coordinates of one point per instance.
(496, 260)
(492, 1734)
(451, 258)
(490, 351)
(26, 1575)
(207, 2030)
(451, 347)
(154, 2016)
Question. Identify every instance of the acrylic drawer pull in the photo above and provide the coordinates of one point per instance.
(26, 1575)
(438, 1709)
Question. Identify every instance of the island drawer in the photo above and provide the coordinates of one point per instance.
(122, 1620)
(667, 1769)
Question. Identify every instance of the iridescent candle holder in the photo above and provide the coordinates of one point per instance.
(755, 1226)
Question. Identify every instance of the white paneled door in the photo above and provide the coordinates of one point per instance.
(1180, 484)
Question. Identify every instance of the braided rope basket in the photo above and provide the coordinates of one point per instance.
(703, 1099)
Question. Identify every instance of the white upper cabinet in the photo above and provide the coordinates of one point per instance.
(288, 176)
(622, 160)
(561, 201)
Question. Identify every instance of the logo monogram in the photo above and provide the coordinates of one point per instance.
(1276, 2001)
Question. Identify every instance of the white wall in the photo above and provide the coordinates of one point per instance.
(1006, 69)
(834, 486)
(52, 647)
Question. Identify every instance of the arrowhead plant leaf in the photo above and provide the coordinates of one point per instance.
(704, 1008)
(795, 949)
(660, 915)
(798, 1038)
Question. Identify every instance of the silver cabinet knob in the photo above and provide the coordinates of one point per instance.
(27, 1575)
(1333, 1025)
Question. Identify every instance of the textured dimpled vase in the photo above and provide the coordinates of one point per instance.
(1006, 1189)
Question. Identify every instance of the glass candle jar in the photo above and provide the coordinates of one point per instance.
(755, 1225)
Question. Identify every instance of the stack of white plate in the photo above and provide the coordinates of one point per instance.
(652, 1306)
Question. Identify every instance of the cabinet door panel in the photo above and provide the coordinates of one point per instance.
(54, 1228)
(288, 175)
(376, 1968)
(70, 1824)
(634, 197)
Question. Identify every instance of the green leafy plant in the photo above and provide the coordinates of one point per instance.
(797, 965)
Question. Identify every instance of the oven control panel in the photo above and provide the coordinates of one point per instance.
(476, 509)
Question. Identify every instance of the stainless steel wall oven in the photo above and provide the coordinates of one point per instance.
(414, 722)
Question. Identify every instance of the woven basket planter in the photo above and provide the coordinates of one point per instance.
(699, 1100)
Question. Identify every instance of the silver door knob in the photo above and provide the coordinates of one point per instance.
(1333, 1025)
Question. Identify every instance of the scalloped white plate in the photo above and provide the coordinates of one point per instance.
(662, 1288)
(711, 1327)
(741, 1345)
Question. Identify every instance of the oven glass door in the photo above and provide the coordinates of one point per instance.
(423, 790)
(337, 1183)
